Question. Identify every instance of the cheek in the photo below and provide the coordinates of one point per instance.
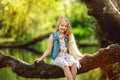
(66, 28)
(59, 27)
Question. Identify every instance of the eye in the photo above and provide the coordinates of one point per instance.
(62, 25)
(66, 26)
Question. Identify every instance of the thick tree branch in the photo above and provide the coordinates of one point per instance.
(103, 57)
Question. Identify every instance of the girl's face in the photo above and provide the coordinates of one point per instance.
(63, 26)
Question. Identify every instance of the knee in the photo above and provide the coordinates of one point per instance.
(74, 65)
(66, 67)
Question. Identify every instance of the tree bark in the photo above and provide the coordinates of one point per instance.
(102, 58)
(107, 16)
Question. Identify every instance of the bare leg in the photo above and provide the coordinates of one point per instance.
(68, 73)
(74, 70)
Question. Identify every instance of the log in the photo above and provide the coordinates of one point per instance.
(103, 57)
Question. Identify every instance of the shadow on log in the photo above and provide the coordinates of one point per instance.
(102, 57)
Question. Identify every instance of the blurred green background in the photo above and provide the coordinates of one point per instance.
(23, 20)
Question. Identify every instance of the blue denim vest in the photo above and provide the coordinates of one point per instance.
(56, 46)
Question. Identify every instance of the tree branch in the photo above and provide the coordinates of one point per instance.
(103, 57)
(24, 45)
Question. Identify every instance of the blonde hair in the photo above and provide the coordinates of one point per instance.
(72, 47)
(69, 30)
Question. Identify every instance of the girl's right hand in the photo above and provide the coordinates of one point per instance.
(37, 61)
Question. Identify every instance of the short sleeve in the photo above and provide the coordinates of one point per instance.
(51, 37)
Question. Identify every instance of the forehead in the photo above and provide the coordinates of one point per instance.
(64, 22)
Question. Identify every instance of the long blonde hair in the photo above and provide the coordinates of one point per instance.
(72, 47)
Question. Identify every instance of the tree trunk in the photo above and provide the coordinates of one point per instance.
(102, 58)
(107, 14)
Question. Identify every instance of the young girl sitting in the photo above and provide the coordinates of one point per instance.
(63, 49)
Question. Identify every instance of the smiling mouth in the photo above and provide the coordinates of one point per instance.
(63, 29)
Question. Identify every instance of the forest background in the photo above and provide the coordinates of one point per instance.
(25, 26)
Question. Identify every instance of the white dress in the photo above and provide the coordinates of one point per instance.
(64, 58)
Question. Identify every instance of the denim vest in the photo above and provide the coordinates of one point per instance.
(56, 46)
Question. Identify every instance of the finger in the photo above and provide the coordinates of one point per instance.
(36, 61)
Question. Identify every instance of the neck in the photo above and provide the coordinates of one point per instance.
(61, 33)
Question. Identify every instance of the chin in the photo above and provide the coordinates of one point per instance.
(62, 31)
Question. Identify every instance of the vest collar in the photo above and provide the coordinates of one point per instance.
(57, 34)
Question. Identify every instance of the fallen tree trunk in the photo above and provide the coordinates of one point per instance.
(103, 57)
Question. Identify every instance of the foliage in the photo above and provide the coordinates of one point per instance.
(22, 20)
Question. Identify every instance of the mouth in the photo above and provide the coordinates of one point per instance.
(63, 30)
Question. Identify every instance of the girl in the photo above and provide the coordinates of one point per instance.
(64, 52)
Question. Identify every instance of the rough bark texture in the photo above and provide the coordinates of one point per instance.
(107, 16)
(103, 57)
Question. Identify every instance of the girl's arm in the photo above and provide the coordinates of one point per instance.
(47, 52)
